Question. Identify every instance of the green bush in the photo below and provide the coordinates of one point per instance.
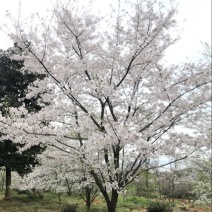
(160, 207)
(69, 207)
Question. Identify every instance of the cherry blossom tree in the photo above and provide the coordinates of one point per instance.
(52, 175)
(203, 188)
(115, 105)
(57, 176)
(201, 178)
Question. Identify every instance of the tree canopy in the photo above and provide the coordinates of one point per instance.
(115, 104)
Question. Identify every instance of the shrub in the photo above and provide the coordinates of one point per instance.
(22, 191)
(32, 194)
(69, 207)
(160, 207)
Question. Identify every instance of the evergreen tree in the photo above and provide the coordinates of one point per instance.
(13, 90)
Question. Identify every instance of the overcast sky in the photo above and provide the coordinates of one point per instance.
(196, 28)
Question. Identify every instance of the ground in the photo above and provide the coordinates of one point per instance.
(50, 203)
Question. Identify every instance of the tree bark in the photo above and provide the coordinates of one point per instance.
(69, 187)
(8, 184)
(88, 197)
(111, 205)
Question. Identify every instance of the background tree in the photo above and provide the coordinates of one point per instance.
(13, 90)
(56, 175)
(116, 103)
(2, 179)
(201, 177)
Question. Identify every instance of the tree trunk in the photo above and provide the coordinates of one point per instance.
(111, 205)
(69, 187)
(8, 184)
(59, 197)
(88, 197)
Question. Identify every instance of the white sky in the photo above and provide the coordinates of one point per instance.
(196, 13)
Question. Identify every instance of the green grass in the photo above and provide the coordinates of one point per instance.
(25, 203)
(50, 203)
(132, 203)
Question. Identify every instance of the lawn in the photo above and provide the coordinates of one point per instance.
(50, 203)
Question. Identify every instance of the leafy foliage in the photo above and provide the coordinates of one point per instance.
(21, 162)
(14, 83)
(69, 208)
(159, 207)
